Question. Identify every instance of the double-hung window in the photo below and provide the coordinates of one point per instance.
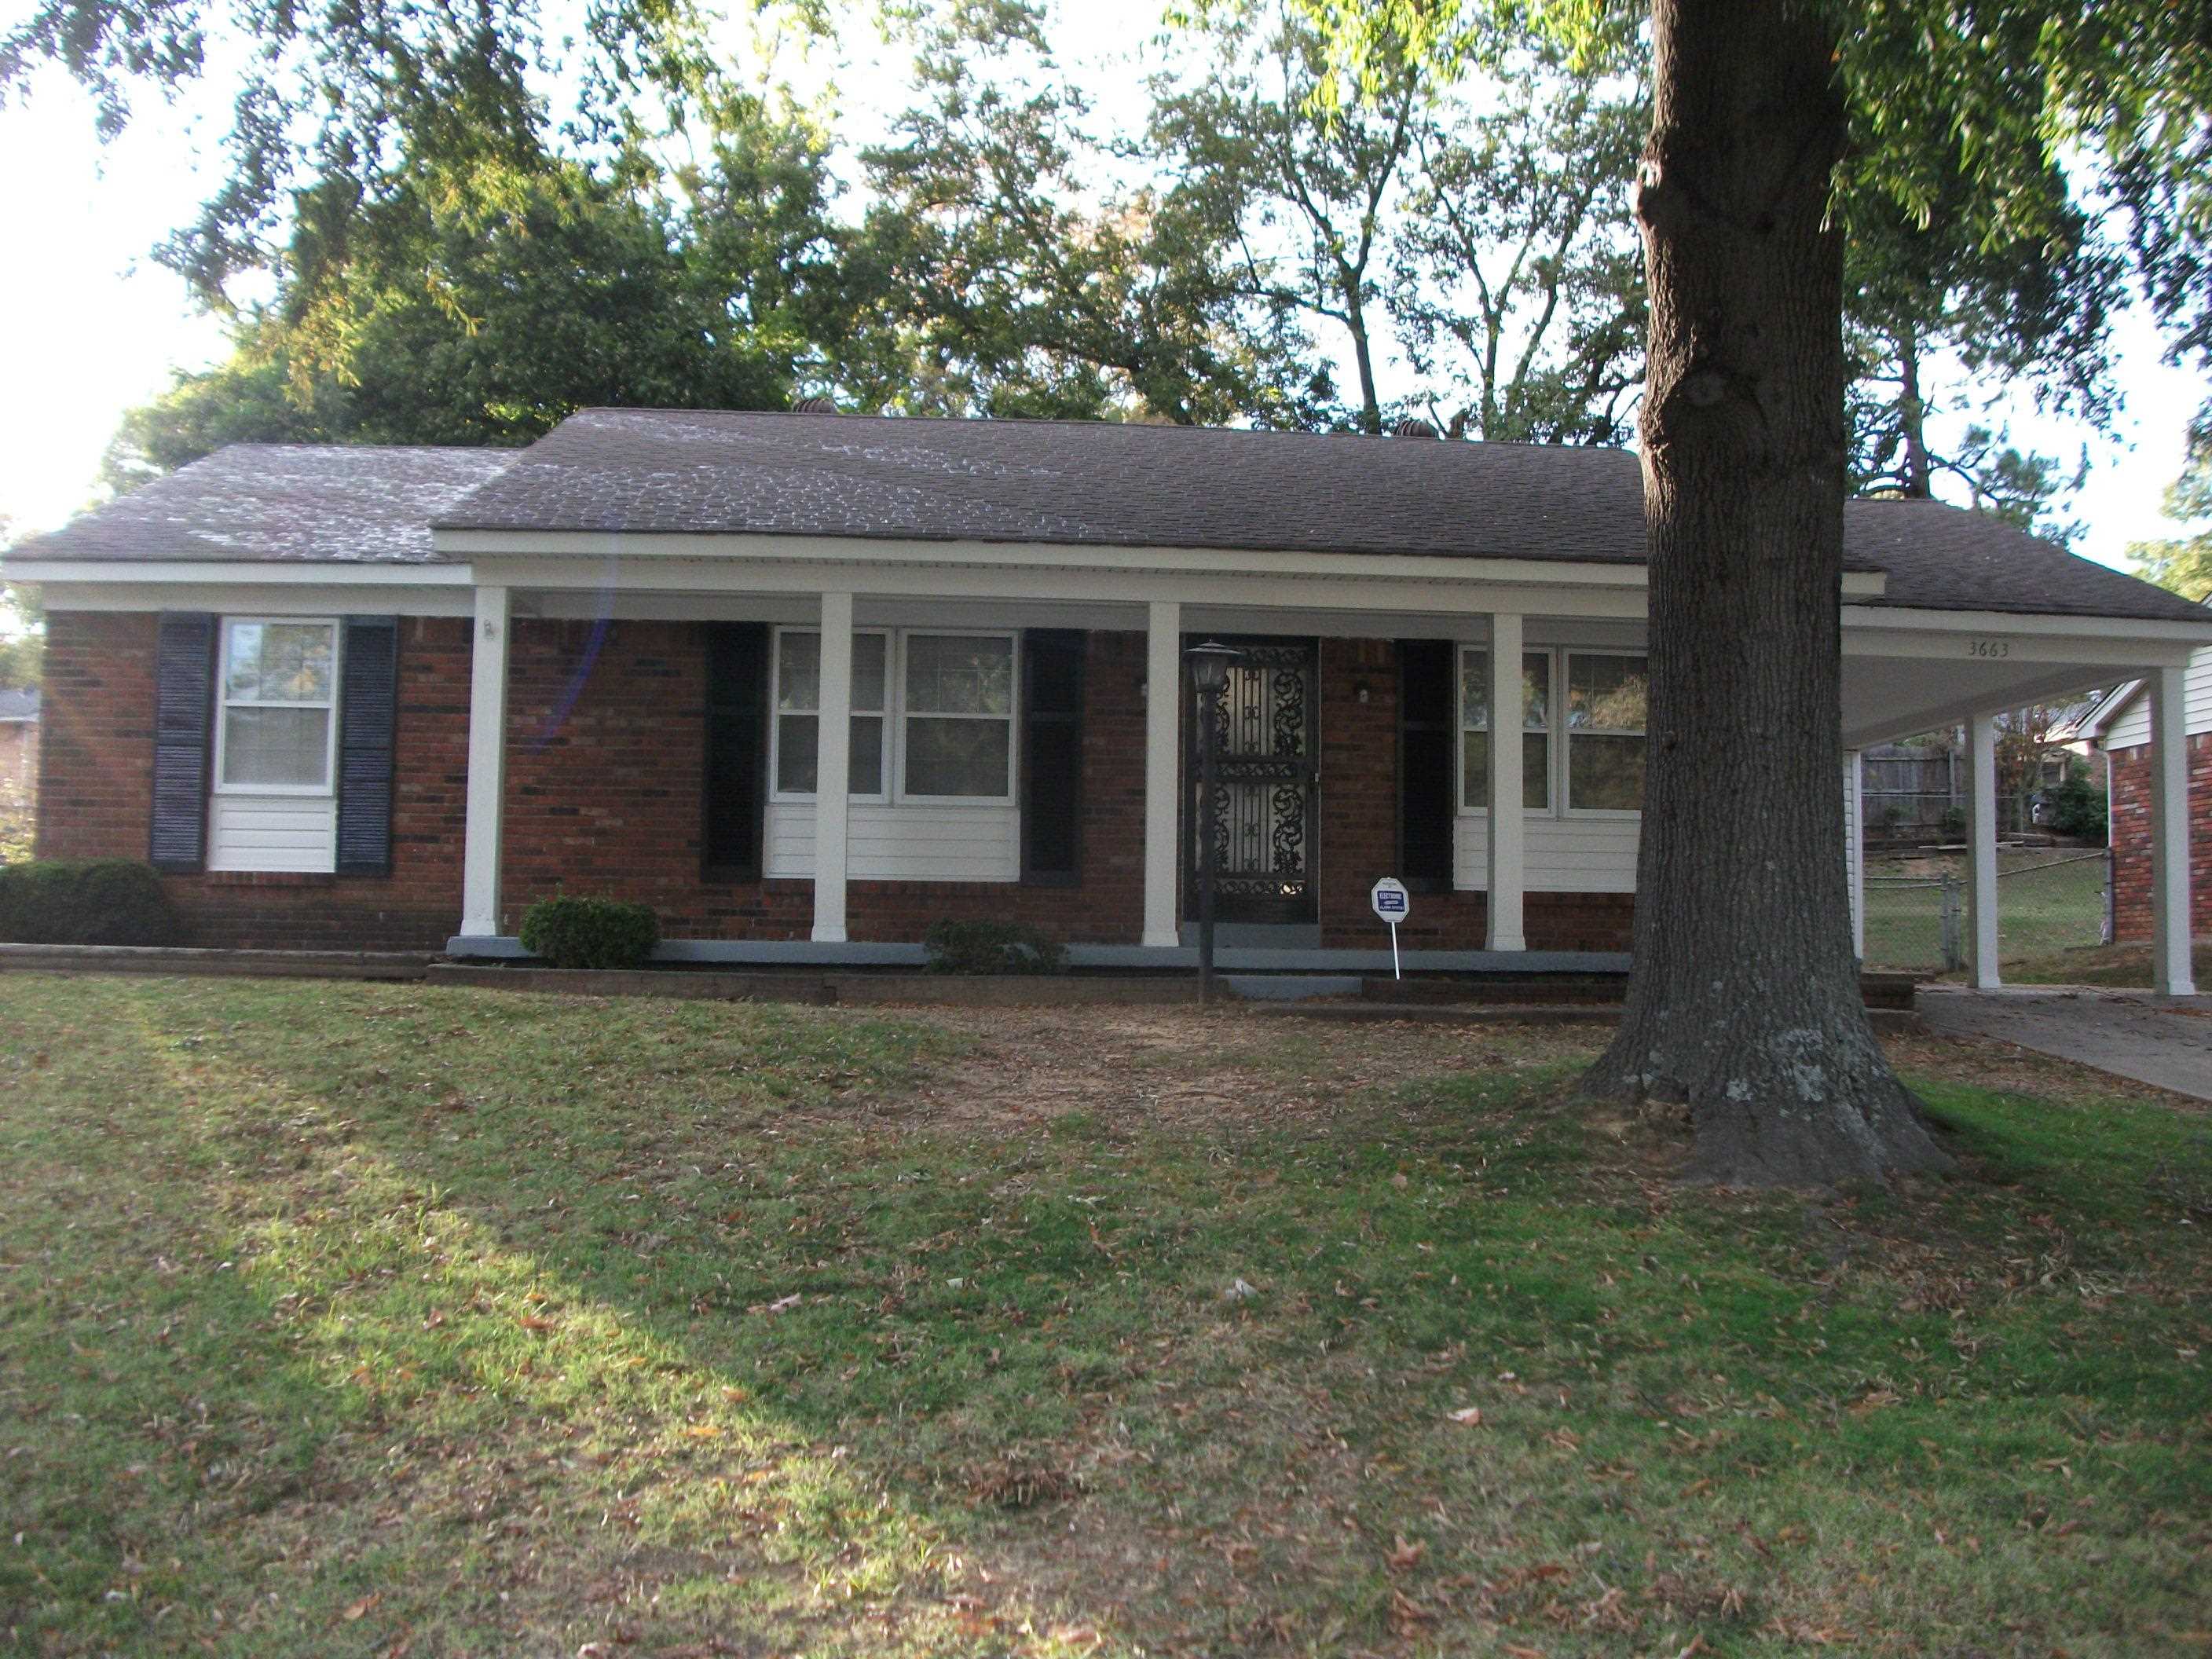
(1608, 695)
(957, 717)
(798, 717)
(278, 704)
(933, 715)
(1474, 730)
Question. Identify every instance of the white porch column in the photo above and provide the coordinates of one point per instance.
(1508, 822)
(2172, 972)
(833, 771)
(1982, 852)
(486, 792)
(1854, 849)
(1162, 739)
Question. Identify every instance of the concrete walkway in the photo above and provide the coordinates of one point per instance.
(2164, 1042)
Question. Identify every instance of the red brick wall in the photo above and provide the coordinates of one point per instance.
(605, 787)
(1359, 831)
(606, 768)
(2130, 805)
(96, 760)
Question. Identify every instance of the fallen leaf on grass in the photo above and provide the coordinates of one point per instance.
(359, 1610)
(1467, 1416)
(532, 1323)
(1404, 1555)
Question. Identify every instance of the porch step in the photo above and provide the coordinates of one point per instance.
(1257, 935)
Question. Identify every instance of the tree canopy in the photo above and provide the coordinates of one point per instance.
(461, 223)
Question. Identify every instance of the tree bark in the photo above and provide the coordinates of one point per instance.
(1744, 1004)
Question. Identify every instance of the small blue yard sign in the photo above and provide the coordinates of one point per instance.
(1390, 901)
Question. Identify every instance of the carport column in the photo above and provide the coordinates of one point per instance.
(833, 769)
(1163, 737)
(2172, 972)
(480, 841)
(1982, 852)
(1508, 821)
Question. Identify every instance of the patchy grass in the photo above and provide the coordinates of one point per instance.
(2124, 967)
(349, 1319)
(2050, 903)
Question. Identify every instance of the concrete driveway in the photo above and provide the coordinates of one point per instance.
(2164, 1042)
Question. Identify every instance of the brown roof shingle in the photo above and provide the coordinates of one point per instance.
(308, 503)
(1055, 483)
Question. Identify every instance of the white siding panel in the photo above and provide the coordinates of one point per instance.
(903, 843)
(1564, 855)
(2132, 729)
(273, 832)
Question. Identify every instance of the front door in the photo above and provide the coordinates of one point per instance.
(1266, 772)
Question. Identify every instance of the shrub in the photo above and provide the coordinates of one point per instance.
(990, 947)
(590, 932)
(1952, 824)
(2077, 809)
(86, 902)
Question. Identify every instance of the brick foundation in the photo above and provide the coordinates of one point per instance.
(605, 770)
(2130, 807)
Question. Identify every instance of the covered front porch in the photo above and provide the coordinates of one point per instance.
(1434, 687)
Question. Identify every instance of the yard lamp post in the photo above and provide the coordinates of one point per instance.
(1209, 675)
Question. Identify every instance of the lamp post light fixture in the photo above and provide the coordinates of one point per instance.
(1209, 676)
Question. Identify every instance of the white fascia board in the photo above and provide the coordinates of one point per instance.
(743, 551)
(2119, 641)
(1240, 591)
(257, 573)
(746, 550)
(286, 600)
(2099, 720)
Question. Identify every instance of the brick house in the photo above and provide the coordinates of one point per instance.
(2120, 728)
(806, 683)
(18, 741)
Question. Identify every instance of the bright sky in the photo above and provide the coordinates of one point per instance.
(94, 326)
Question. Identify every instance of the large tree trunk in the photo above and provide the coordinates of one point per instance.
(1744, 1005)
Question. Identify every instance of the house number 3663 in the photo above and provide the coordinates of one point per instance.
(1988, 648)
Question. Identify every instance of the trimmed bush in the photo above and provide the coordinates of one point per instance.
(86, 902)
(590, 932)
(990, 947)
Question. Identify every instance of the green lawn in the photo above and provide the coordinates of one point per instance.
(396, 1320)
(2048, 903)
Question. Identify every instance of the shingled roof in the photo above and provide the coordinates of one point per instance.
(1089, 484)
(645, 472)
(306, 502)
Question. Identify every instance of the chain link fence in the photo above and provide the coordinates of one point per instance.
(2047, 902)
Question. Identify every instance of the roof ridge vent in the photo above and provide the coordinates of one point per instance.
(1412, 427)
(816, 405)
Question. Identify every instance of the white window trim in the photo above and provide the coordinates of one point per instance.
(776, 714)
(1564, 787)
(328, 789)
(1011, 720)
(894, 714)
(1554, 678)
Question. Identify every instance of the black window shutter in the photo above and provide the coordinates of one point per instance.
(184, 699)
(1427, 714)
(735, 796)
(368, 723)
(1052, 755)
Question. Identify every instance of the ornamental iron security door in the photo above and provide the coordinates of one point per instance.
(1267, 775)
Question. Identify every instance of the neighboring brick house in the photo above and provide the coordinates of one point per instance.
(805, 683)
(19, 742)
(2120, 729)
